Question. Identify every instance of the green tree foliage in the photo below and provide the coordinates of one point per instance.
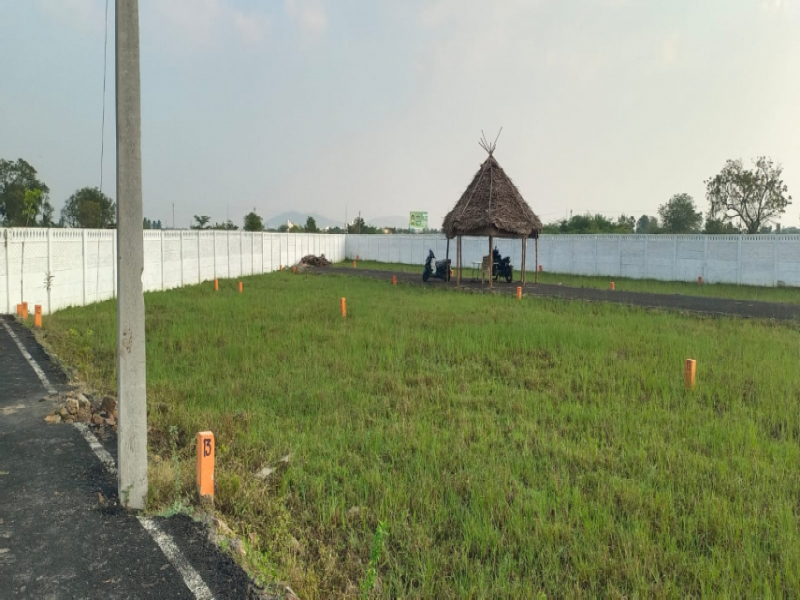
(754, 197)
(227, 226)
(252, 222)
(16, 179)
(311, 225)
(148, 224)
(680, 215)
(360, 226)
(589, 223)
(717, 226)
(647, 224)
(201, 222)
(89, 208)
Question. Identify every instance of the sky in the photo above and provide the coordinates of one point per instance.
(347, 106)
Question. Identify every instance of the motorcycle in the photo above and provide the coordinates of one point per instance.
(442, 268)
(501, 267)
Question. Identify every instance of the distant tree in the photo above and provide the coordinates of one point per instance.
(201, 222)
(311, 225)
(647, 224)
(227, 226)
(147, 223)
(336, 229)
(717, 226)
(252, 222)
(17, 178)
(283, 228)
(755, 197)
(625, 224)
(89, 208)
(679, 215)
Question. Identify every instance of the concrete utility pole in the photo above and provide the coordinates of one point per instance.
(131, 375)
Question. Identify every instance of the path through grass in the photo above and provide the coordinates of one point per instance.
(507, 448)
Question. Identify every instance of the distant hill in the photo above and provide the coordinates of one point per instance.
(300, 218)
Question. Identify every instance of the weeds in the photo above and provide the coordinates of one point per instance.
(371, 576)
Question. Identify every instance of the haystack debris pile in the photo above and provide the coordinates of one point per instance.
(75, 407)
(315, 261)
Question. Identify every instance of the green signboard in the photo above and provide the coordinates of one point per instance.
(418, 220)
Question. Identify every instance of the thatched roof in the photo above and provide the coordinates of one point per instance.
(492, 205)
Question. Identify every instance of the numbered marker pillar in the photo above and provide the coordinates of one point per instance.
(700, 280)
(689, 373)
(343, 303)
(241, 287)
(541, 268)
(294, 269)
(24, 310)
(19, 310)
(519, 293)
(394, 279)
(205, 465)
(612, 285)
(354, 264)
(37, 316)
(216, 285)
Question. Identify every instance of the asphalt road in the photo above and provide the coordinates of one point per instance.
(62, 532)
(679, 302)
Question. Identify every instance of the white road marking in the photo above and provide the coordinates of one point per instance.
(42, 377)
(190, 577)
(97, 448)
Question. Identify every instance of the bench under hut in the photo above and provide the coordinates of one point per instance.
(492, 206)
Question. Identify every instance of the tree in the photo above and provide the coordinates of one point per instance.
(227, 225)
(89, 208)
(252, 222)
(16, 179)
(311, 225)
(679, 215)
(625, 224)
(717, 226)
(201, 222)
(755, 197)
(647, 224)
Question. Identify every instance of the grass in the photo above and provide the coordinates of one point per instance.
(786, 295)
(448, 445)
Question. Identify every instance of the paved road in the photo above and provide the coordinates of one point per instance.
(698, 304)
(58, 537)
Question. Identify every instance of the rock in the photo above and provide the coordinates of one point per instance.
(265, 472)
(83, 415)
(44, 398)
(109, 405)
(289, 594)
(110, 421)
(97, 420)
(52, 419)
(96, 403)
(63, 412)
(69, 419)
(286, 459)
(221, 526)
(72, 406)
(83, 402)
(237, 547)
(71, 394)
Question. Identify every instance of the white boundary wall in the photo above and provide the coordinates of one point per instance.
(762, 260)
(83, 268)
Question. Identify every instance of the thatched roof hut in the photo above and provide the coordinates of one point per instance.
(492, 206)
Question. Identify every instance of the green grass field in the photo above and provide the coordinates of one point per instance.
(504, 449)
(787, 295)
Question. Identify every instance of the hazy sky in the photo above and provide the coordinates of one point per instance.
(319, 105)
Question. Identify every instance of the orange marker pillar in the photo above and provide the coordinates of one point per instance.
(216, 285)
(19, 310)
(343, 303)
(205, 465)
(24, 310)
(541, 268)
(294, 269)
(519, 293)
(37, 316)
(689, 373)
(280, 268)
(394, 279)
(612, 285)
(354, 264)
(700, 280)
(241, 287)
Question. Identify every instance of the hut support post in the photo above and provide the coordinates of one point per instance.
(458, 259)
(536, 273)
(524, 249)
(491, 261)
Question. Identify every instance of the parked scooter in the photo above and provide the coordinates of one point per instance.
(501, 267)
(442, 268)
